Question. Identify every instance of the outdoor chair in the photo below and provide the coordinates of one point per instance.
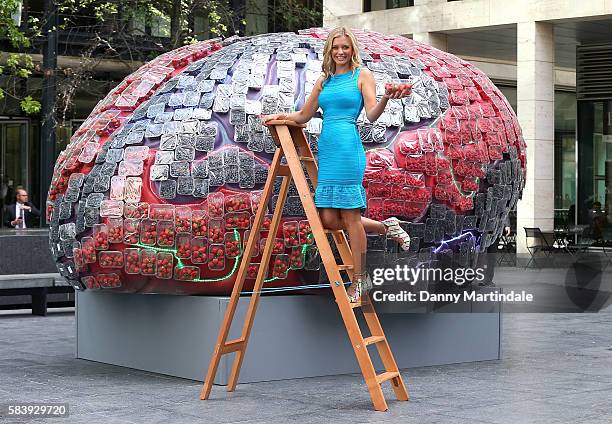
(507, 250)
(536, 242)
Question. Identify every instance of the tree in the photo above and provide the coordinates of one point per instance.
(131, 31)
(18, 65)
(128, 31)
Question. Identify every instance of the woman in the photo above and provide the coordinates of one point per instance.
(343, 90)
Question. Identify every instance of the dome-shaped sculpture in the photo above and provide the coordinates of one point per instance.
(157, 189)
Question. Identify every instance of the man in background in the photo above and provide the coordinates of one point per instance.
(21, 214)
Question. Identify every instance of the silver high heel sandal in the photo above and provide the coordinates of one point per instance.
(395, 231)
(363, 283)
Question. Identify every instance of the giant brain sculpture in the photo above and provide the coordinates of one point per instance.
(157, 189)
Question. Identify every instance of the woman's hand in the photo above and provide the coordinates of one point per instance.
(277, 116)
(397, 91)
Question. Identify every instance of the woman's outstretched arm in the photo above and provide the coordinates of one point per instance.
(368, 89)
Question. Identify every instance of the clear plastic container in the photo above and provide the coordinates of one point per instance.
(136, 210)
(187, 273)
(117, 187)
(165, 233)
(164, 265)
(290, 233)
(100, 233)
(239, 220)
(161, 211)
(183, 245)
(109, 281)
(77, 254)
(216, 257)
(305, 232)
(199, 250)
(255, 197)
(216, 230)
(312, 259)
(394, 176)
(280, 266)
(469, 184)
(296, 257)
(424, 140)
(414, 209)
(199, 223)
(148, 232)
(379, 189)
(232, 244)
(215, 205)
(88, 248)
(132, 260)
(237, 202)
(133, 190)
(131, 230)
(111, 259)
(90, 282)
(375, 209)
(148, 262)
(115, 230)
(182, 219)
(393, 207)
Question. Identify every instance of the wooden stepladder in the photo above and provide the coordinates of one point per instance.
(293, 145)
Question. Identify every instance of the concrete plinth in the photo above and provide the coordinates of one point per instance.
(292, 337)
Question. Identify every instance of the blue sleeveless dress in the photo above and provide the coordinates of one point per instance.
(342, 159)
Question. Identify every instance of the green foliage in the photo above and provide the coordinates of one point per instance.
(292, 15)
(23, 73)
(18, 65)
(29, 105)
(120, 29)
(8, 26)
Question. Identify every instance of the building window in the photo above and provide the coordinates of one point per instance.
(372, 5)
(509, 92)
(394, 4)
(594, 202)
(565, 158)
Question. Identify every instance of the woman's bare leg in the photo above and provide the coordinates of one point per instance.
(373, 227)
(330, 218)
(354, 226)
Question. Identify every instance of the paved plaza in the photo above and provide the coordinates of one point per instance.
(556, 368)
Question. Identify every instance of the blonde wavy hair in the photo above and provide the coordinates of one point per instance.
(329, 66)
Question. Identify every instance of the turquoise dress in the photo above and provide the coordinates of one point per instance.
(342, 159)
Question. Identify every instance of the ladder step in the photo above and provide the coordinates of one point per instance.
(306, 159)
(232, 346)
(381, 378)
(373, 339)
(359, 304)
(344, 267)
(328, 231)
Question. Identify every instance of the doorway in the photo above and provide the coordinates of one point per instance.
(15, 161)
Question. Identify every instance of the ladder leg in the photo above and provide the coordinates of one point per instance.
(210, 374)
(261, 275)
(333, 273)
(384, 350)
(239, 282)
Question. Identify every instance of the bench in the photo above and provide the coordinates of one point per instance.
(36, 285)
